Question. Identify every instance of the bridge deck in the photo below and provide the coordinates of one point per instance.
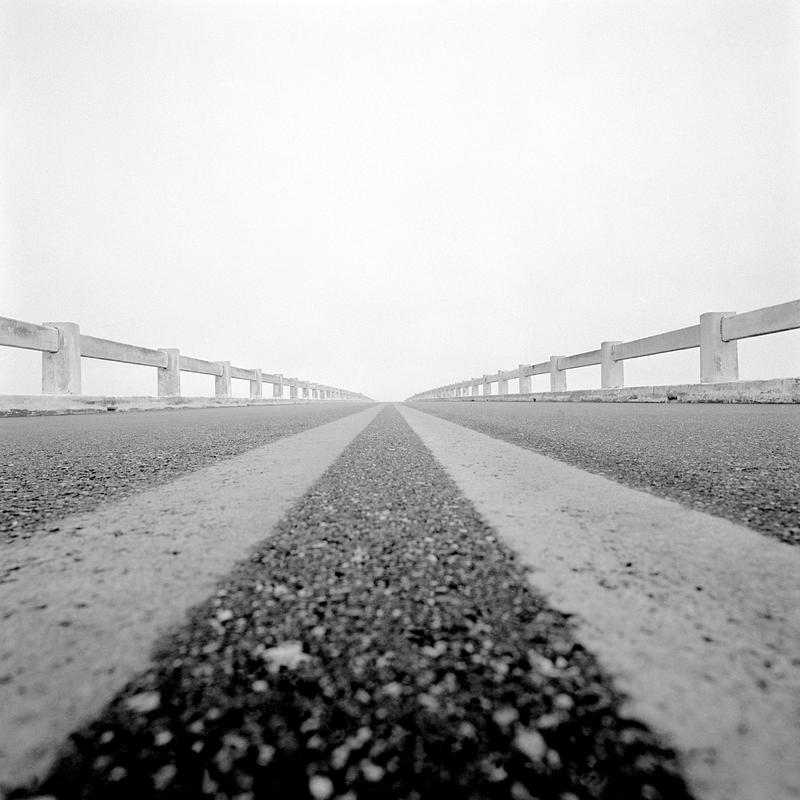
(417, 653)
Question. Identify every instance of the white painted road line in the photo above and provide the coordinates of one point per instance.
(83, 605)
(697, 618)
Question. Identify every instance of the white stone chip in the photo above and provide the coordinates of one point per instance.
(530, 743)
(143, 702)
(320, 787)
(288, 654)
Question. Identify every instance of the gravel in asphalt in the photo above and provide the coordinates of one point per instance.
(381, 643)
(736, 461)
(58, 465)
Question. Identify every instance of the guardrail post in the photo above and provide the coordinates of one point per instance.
(222, 383)
(524, 380)
(487, 386)
(61, 371)
(558, 377)
(719, 360)
(277, 388)
(257, 386)
(169, 377)
(502, 383)
(612, 373)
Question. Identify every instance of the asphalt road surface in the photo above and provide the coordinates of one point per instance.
(381, 643)
(741, 462)
(57, 465)
(343, 602)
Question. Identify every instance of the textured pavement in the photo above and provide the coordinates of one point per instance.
(697, 617)
(52, 466)
(382, 640)
(381, 643)
(736, 461)
(83, 604)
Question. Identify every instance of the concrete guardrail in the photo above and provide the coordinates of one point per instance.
(716, 336)
(63, 345)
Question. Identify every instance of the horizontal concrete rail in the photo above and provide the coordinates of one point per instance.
(590, 359)
(199, 366)
(681, 339)
(63, 345)
(243, 374)
(27, 335)
(772, 319)
(106, 350)
(715, 336)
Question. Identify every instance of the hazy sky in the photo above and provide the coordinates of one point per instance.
(388, 196)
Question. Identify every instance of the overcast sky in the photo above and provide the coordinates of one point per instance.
(388, 196)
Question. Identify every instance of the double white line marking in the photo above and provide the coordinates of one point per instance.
(698, 619)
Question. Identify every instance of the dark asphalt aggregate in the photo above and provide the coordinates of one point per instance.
(381, 643)
(53, 466)
(741, 462)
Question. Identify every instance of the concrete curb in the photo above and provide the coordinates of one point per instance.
(777, 390)
(24, 405)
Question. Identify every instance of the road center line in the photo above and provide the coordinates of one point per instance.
(82, 605)
(698, 618)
